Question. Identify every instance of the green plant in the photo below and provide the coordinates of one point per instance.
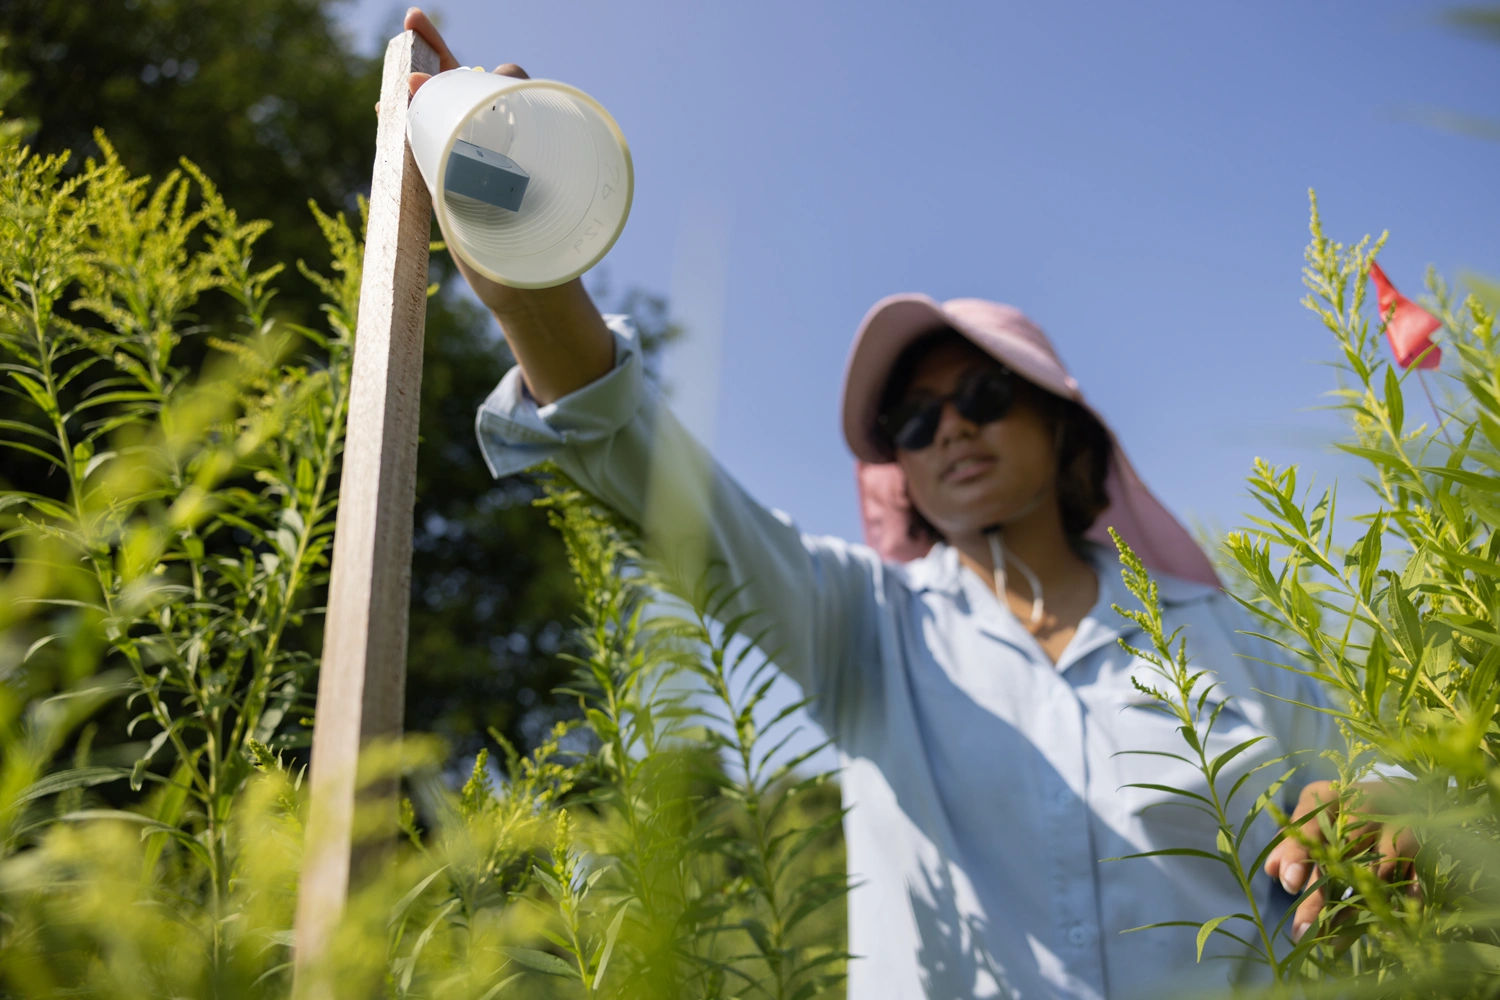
(171, 562)
(1400, 625)
(158, 472)
(774, 896)
(710, 876)
(1184, 696)
(273, 99)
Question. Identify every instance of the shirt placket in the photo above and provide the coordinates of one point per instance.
(1064, 809)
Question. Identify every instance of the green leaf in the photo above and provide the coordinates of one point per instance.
(549, 882)
(1406, 623)
(1474, 564)
(1439, 656)
(82, 777)
(1185, 852)
(1228, 755)
(1164, 923)
(1372, 455)
(90, 815)
(489, 994)
(602, 725)
(759, 935)
(404, 903)
(1397, 410)
(1482, 505)
(1377, 671)
(609, 943)
(1415, 569)
(1190, 737)
(1170, 790)
(1482, 692)
(1490, 485)
(1468, 627)
(1369, 555)
(38, 644)
(541, 961)
(30, 450)
(421, 943)
(1486, 955)
(95, 461)
(1206, 930)
(144, 761)
(38, 394)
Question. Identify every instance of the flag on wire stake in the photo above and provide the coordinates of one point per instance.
(1409, 329)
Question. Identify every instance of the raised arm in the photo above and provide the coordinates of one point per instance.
(588, 408)
(557, 335)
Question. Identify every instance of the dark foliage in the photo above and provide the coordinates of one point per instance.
(270, 99)
(265, 95)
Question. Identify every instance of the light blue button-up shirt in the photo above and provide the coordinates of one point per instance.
(984, 783)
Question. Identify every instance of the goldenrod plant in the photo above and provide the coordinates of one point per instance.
(168, 508)
(1395, 613)
(1184, 693)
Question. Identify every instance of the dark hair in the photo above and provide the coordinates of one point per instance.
(1084, 446)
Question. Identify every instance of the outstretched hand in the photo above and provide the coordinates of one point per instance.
(418, 21)
(493, 294)
(557, 334)
(1291, 862)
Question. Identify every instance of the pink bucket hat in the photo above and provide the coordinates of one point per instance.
(1006, 334)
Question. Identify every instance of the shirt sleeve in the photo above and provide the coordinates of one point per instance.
(813, 598)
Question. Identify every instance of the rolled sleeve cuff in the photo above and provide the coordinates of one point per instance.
(515, 433)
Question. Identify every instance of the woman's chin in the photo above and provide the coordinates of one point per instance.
(983, 494)
(977, 513)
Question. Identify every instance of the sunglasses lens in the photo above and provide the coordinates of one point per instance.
(985, 397)
(982, 397)
(914, 425)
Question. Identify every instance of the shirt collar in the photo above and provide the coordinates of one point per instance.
(941, 571)
(938, 570)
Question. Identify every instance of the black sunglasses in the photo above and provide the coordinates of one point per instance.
(981, 397)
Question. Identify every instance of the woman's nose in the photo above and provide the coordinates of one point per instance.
(953, 425)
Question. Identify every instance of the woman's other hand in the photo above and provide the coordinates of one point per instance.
(1291, 862)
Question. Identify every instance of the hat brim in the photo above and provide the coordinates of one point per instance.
(892, 325)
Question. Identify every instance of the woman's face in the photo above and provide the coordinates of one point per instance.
(974, 476)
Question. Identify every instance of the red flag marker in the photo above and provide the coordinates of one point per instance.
(1410, 327)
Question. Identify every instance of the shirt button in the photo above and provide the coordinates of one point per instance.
(1078, 935)
(1063, 796)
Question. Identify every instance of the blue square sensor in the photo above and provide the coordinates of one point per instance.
(485, 175)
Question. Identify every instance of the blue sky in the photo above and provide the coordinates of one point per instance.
(1134, 176)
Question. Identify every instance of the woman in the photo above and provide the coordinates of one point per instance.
(966, 662)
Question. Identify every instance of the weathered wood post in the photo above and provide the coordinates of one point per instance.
(361, 689)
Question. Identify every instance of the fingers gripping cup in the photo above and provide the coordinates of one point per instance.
(531, 179)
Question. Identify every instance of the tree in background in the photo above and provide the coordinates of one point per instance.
(265, 95)
(270, 98)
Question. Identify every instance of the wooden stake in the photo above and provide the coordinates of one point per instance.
(361, 689)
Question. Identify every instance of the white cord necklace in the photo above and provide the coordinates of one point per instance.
(998, 555)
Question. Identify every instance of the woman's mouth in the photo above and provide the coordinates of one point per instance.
(965, 469)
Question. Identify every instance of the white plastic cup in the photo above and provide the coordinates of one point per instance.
(581, 185)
